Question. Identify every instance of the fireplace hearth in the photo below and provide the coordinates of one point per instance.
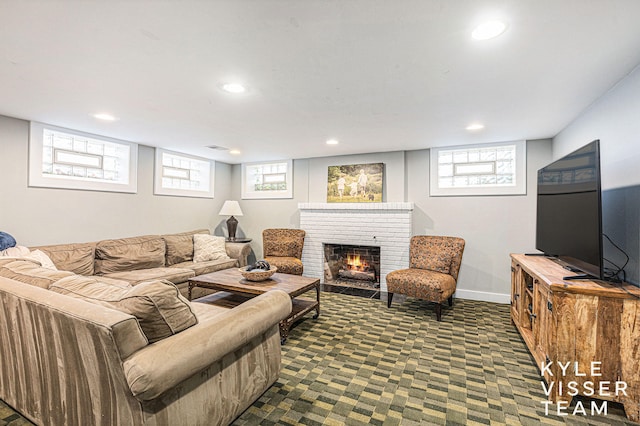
(352, 266)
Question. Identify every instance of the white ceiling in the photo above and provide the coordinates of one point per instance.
(376, 75)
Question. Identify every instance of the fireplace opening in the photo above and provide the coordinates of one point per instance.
(352, 266)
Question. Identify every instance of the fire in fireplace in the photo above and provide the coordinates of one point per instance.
(352, 266)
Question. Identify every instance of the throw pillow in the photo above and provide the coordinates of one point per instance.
(17, 251)
(160, 309)
(208, 247)
(180, 246)
(158, 305)
(6, 241)
(41, 257)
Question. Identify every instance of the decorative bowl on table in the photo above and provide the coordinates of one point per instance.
(258, 274)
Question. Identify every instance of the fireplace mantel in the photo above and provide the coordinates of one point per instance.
(356, 206)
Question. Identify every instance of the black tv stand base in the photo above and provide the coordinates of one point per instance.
(541, 254)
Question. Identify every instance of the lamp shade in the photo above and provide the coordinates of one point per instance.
(230, 208)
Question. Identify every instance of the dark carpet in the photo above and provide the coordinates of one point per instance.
(363, 363)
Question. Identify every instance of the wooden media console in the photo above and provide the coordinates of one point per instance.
(584, 335)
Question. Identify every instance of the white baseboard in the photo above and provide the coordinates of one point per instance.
(483, 296)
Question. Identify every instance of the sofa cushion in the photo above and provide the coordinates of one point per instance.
(286, 265)
(175, 275)
(91, 287)
(179, 247)
(112, 281)
(76, 258)
(31, 272)
(208, 247)
(127, 254)
(45, 261)
(21, 252)
(16, 251)
(164, 311)
(157, 305)
(421, 283)
(201, 268)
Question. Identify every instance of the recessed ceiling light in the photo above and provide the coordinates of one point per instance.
(332, 142)
(234, 152)
(233, 88)
(105, 117)
(475, 126)
(488, 30)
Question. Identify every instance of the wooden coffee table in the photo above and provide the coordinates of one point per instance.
(235, 289)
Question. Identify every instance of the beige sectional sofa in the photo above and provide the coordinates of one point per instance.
(74, 349)
(144, 258)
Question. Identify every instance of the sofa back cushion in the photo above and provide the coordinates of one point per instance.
(179, 247)
(128, 254)
(158, 305)
(31, 272)
(76, 258)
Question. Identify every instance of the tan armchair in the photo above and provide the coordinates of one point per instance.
(434, 263)
(283, 248)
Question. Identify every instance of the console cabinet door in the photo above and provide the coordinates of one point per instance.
(543, 322)
(516, 288)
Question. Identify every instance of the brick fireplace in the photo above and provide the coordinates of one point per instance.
(386, 226)
(352, 266)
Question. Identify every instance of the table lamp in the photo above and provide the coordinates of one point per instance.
(231, 208)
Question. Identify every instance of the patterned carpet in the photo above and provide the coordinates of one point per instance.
(363, 363)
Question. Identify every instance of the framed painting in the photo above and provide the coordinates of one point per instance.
(355, 183)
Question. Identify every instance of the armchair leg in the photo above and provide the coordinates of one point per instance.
(389, 297)
(450, 300)
(438, 312)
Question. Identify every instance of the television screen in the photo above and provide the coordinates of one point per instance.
(569, 211)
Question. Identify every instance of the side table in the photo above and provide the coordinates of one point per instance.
(239, 240)
(239, 250)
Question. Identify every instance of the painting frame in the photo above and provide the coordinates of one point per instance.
(355, 183)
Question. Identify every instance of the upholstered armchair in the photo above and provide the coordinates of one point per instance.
(282, 248)
(434, 263)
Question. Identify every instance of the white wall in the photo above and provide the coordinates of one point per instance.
(615, 120)
(263, 214)
(309, 185)
(37, 216)
(492, 226)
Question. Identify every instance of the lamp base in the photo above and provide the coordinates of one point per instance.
(232, 225)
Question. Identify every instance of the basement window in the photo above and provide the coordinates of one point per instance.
(183, 175)
(69, 159)
(267, 180)
(487, 169)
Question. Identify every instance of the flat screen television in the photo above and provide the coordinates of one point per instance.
(569, 211)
